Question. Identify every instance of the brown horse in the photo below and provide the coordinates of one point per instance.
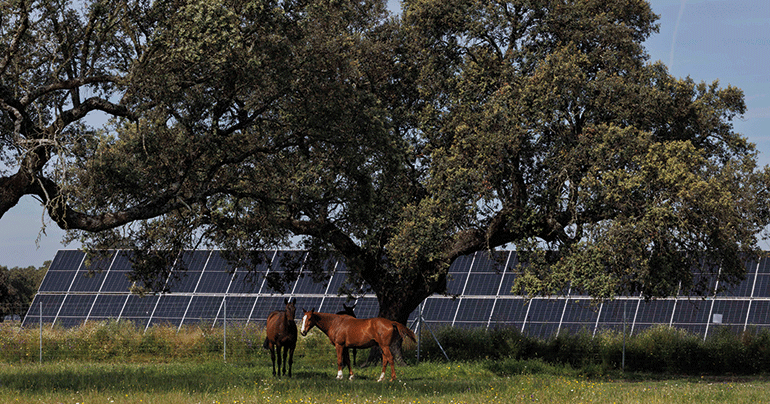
(347, 332)
(281, 332)
(348, 310)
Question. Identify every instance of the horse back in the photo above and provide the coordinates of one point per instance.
(363, 333)
(280, 330)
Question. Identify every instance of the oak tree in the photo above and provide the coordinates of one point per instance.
(399, 144)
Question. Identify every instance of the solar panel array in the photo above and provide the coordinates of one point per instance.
(481, 287)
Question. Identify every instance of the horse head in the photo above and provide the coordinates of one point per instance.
(291, 307)
(348, 310)
(309, 320)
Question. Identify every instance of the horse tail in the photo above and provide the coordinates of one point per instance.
(404, 331)
(266, 345)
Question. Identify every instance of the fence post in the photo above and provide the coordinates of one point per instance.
(623, 362)
(40, 321)
(224, 323)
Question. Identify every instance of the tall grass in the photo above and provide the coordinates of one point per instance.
(658, 349)
(113, 362)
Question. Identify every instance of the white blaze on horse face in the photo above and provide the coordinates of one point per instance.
(304, 320)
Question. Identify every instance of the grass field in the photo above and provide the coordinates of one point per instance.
(507, 381)
(113, 363)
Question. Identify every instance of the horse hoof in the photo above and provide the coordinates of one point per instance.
(351, 377)
(382, 377)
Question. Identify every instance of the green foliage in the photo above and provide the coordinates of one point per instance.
(659, 349)
(399, 143)
(18, 287)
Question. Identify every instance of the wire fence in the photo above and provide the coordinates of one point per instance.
(658, 348)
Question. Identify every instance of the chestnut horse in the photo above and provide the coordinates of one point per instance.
(281, 332)
(348, 332)
(349, 311)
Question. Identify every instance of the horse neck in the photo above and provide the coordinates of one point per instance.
(325, 321)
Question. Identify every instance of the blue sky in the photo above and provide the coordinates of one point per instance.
(725, 40)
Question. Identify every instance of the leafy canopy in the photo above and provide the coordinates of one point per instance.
(399, 143)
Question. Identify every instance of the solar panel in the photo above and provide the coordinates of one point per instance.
(366, 307)
(213, 289)
(763, 266)
(107, 307)
(508, 311)
(495, 262)
(235, 308)
(732, 312)
(72, 307)
(170, 309)
(545, 310)
(482, 284)
(244, 281)
(474, 312)
(655, 312)
(461, 264)
(57, 280)
(44, 308)
(761, 287)
(617, 314)
(68, 260)
(691, 311)
(116, 279)
(266, 305)
(580, 311)
(442, 310)
(759, 313)
(741, 289)
(456, 282)
(306, 285)
(186, 278)
(139, 309)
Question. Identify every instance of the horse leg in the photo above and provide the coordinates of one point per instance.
(285, 353)
(346, 361)
(291, 359)
(387, 356)
(272, 357)
(340, 363)
(278, 357)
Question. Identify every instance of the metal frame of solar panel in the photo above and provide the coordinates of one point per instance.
(480, 286)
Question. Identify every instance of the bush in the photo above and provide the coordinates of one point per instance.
(474, 344)
(579, 350)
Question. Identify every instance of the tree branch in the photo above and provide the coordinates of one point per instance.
(66, 85)
(69, 219)
(17, 37)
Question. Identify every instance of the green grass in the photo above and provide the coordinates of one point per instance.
(115, 363)
(511, 381)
